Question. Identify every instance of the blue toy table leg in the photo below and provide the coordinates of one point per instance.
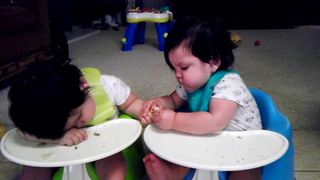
(127, 40)
(140, 32)
(161, 30)
(134, 34)
(169, 25)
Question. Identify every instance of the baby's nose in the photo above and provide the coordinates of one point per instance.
(178, 75)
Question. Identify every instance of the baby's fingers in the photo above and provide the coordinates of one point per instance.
(74, 136)
(81, 135)
(74, 140)
(145, 119)
(146, 107)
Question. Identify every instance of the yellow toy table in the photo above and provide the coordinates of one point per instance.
(135, 30)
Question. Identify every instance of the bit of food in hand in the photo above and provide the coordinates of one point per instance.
(154, 109)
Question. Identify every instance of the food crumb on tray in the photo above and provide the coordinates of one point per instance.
(46, 156)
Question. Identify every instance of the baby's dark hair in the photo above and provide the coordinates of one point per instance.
(42, 99)
(204, 38)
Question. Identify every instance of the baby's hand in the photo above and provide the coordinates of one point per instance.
(154, 112)
(164, 119)
(73, 136)
(151, 110)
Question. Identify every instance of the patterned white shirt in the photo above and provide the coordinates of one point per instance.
(232, 87)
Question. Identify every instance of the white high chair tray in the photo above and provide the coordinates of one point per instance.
(103, 140)
(225, 151)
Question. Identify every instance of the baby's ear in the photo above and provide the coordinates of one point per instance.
(214, 64)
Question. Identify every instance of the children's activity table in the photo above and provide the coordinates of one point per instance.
(223, 151)
(135, 30)
(103, 140)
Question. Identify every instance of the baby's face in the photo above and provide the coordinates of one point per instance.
(81, 115)
(84, 113)
(190, 71)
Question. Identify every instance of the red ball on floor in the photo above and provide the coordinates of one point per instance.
(257, 43)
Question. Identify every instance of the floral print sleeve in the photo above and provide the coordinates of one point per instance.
(232, 87)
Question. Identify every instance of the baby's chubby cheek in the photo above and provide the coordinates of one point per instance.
(90, 108)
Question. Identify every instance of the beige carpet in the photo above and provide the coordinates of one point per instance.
(285, 65)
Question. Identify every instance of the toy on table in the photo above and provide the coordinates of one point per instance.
(135, 30)
(235, 38)
(148, 15)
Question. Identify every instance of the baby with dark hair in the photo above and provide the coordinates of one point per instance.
(52, 105)
(200, 54)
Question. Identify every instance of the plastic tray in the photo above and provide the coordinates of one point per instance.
(225, 151)
(103, 140)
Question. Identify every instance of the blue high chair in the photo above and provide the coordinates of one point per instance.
(273, 120)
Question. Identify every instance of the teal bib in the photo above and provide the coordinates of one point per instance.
(199, 100)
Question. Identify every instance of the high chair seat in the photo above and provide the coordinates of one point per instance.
(274, 120)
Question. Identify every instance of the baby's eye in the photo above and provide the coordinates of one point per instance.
(185, 68)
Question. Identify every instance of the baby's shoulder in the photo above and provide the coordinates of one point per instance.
(232, 76)
(110, 80)
(231, 80)
(231, 84)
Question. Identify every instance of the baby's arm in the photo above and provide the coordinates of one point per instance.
(220, 114)
(71, 137)
(132, 105)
